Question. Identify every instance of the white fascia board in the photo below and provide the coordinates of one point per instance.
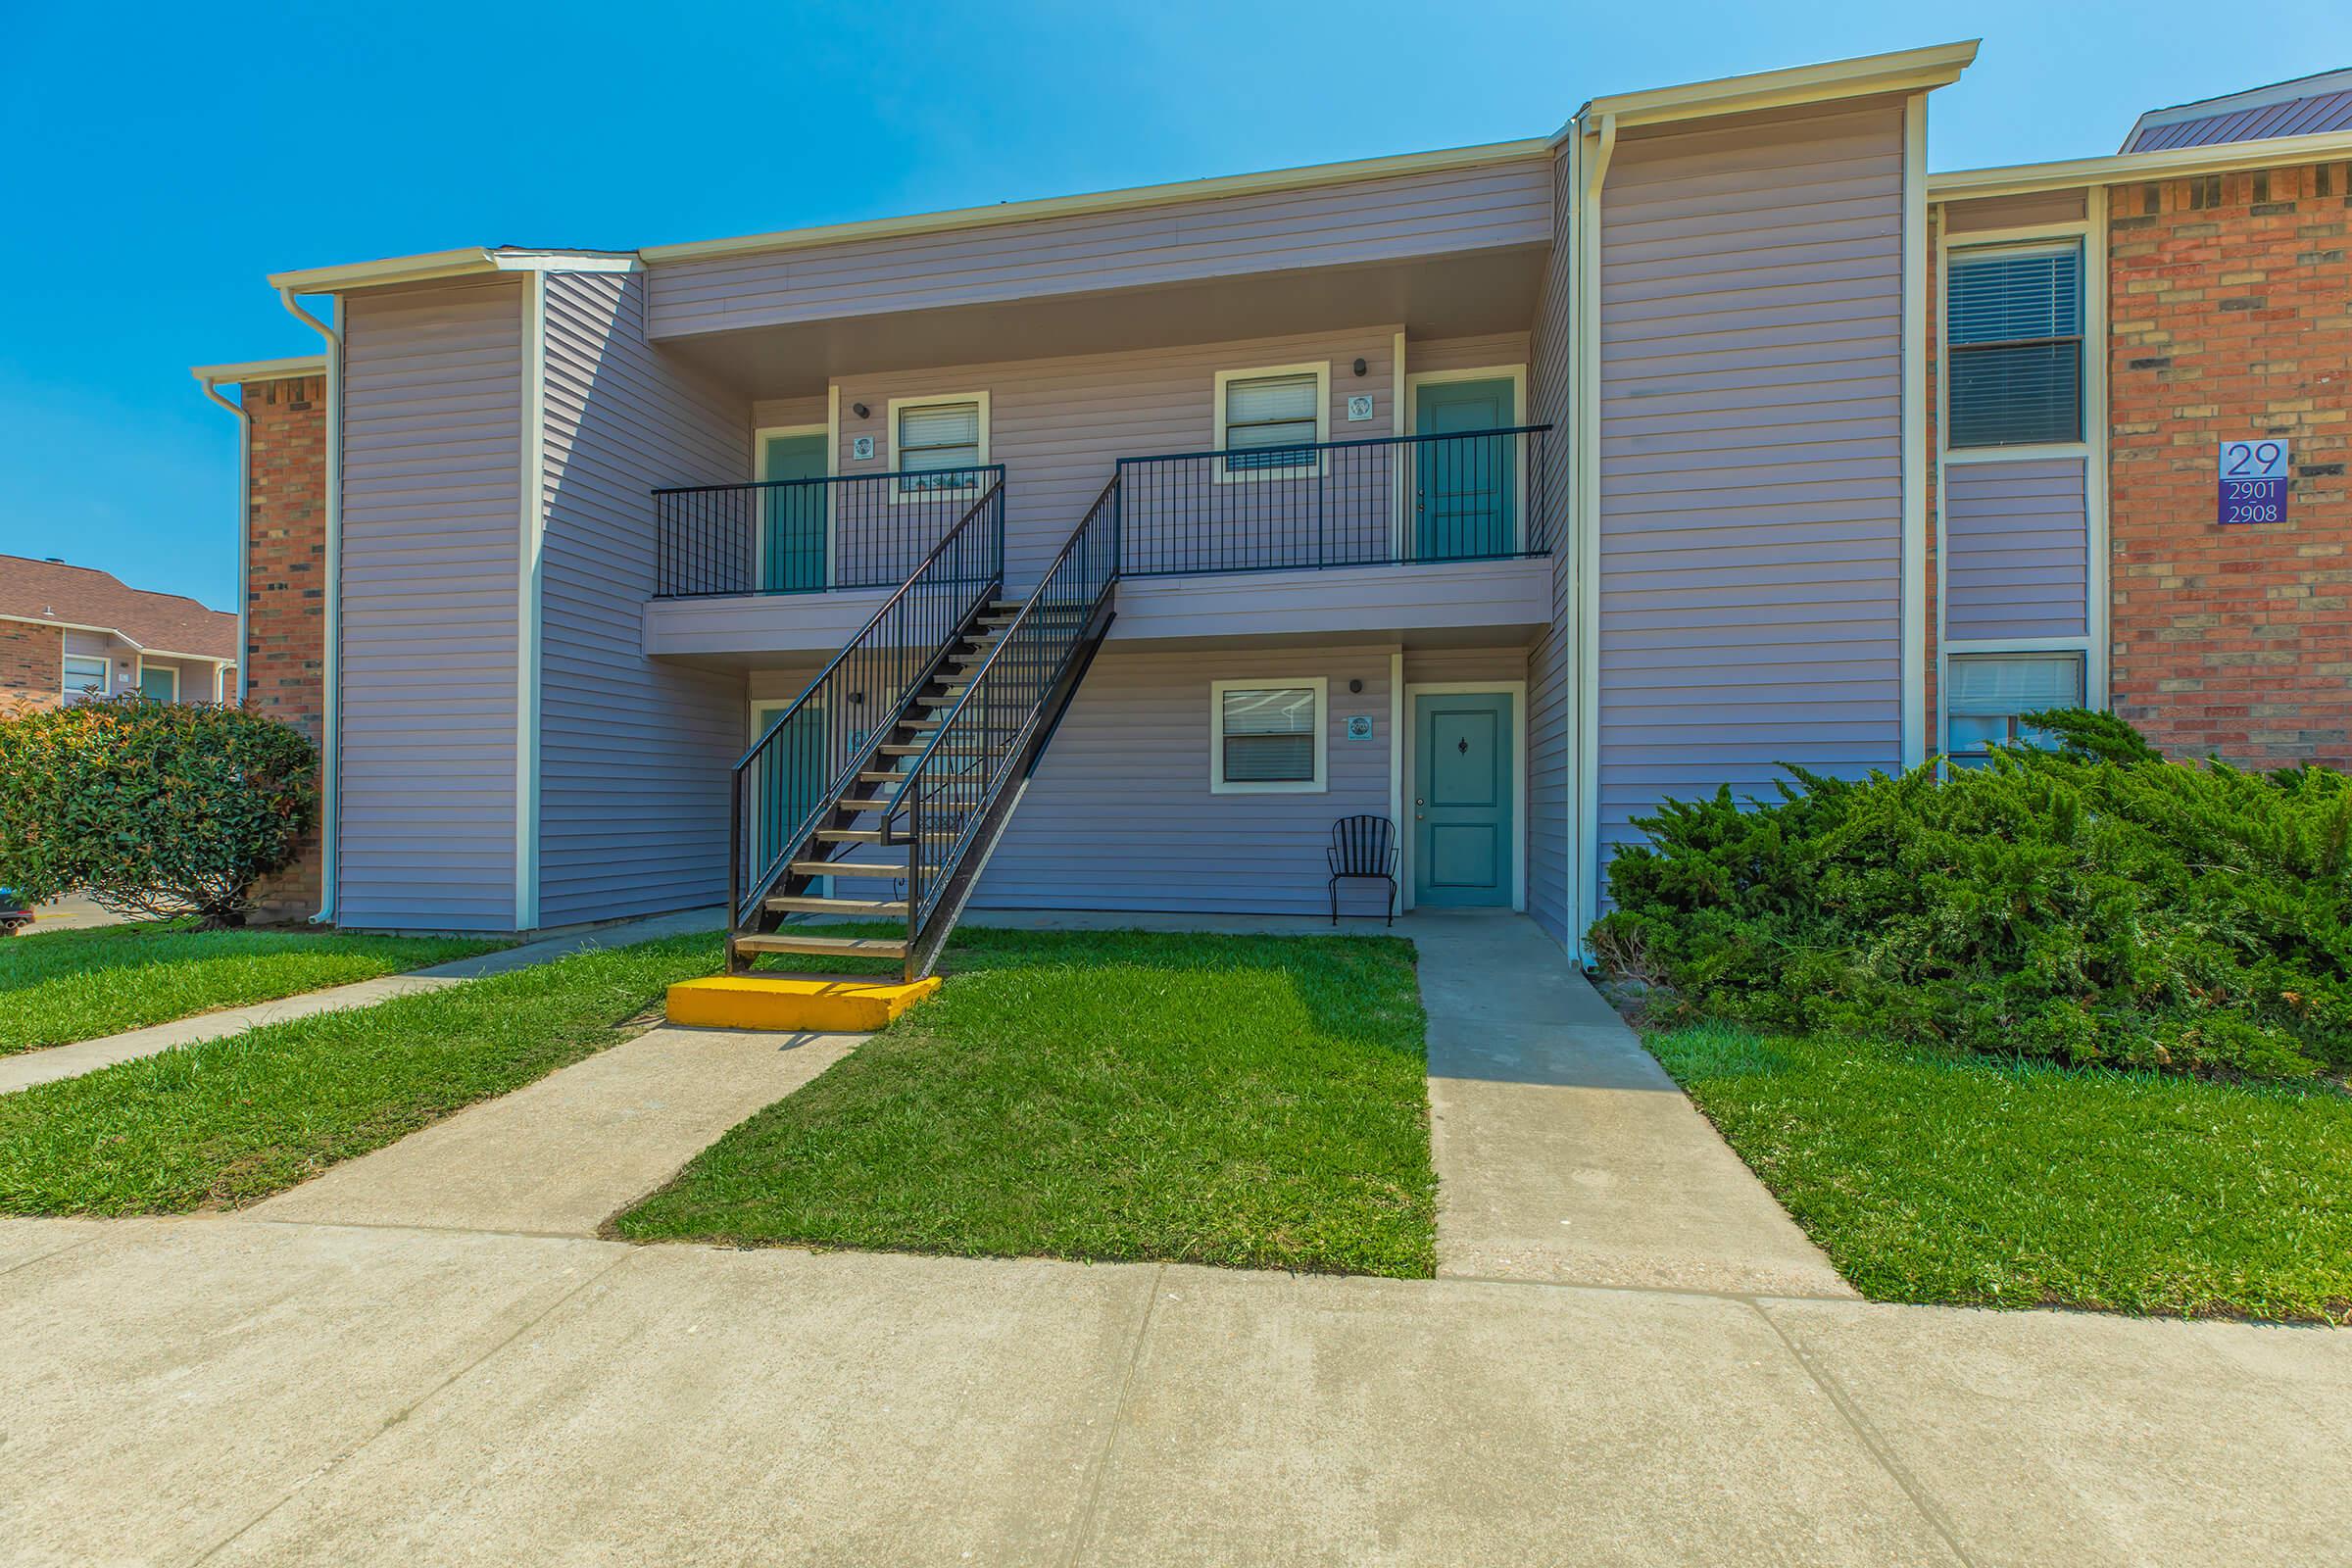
(2123, 169)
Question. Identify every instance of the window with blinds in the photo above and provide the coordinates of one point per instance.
(1268, 737)
(939, 446)
(85, 678)
(1269, 419)
(2013, 342)
(1989, 693)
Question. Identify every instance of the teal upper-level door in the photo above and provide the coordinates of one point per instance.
(791, 525)
(1463, 831)
(1466, 492)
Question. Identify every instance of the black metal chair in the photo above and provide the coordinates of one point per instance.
(1362, 847)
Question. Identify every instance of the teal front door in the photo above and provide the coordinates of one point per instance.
(1462, 771)
(1466, 490)
(792, 775)
(791, 523)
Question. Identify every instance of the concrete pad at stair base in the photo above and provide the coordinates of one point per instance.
(562, 1155)
(700, 1406)
(1564, 1152)
(1317, 1420)
(168, 1382)
(2087, 1439)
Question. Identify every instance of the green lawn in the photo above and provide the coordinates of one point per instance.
(1971, 1181)
(1254, 1102)
(233, 1121)
(60, 986)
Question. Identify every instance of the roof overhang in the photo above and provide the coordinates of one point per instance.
(2262, 97)
(250, 371)
(1108, 201)
(1904, 70)
(2123, 169)
(120, 635)
(474, 261)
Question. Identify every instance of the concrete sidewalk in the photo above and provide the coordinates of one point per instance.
(232, 1391)
(29, 1067)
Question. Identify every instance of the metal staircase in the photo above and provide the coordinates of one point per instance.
(897, 771)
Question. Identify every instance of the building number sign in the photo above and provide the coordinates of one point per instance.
(2253, 481)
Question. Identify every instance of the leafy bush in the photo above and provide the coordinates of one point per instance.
(157, 808)
(2090, 903)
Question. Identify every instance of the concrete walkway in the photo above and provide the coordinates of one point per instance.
(231, 1391)
(27, 1068)
(560, 1156)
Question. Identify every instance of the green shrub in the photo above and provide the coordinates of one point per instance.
(2090, 903)
(156, 808)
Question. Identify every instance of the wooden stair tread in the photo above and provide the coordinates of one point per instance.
(866, 868)
(858, 947)
(813, 904)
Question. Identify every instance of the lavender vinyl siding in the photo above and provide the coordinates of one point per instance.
(1550, 664)
(432, 458)
(1751, 462)
(1059, 426)
(634, 754)
(2018, 549)
(1119, 815)
(1374, 219)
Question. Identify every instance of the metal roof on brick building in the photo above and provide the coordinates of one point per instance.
(2303, 107)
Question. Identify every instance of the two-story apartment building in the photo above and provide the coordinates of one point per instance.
(1498, 492)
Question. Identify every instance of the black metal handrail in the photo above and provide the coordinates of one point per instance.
(1383, 500)
(793, 771)
(949, 789)
(791, 536)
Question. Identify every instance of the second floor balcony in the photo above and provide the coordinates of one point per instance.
(1391, 501)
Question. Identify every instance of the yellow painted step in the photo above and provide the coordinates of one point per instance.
(831, 1004)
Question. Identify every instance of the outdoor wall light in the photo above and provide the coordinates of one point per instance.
(1355, 686)
(1359, 367)
(861, 410)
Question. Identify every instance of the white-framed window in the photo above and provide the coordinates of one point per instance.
(85, 676)
(1271, 419)
(1988, 695)
(1266, 737)
(2013, 345)
(938, 442)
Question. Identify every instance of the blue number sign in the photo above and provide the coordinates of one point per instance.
(2253, 481)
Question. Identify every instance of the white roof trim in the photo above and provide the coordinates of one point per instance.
(2277, 93)
(1134, 196)
(2121, 168)
(470, 261)
(1905, 71)
(246, 371)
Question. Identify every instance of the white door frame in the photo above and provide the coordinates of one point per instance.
(759, 439)
(1516, 690)
(1516, 375)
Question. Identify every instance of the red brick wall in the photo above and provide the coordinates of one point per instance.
(286, 587)
(2230, 309)
(32, 666)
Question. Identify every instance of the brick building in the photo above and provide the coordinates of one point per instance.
(71, 632)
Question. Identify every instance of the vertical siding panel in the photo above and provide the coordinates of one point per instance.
(2017, 542)
(634, 754)
(432, 456)
(1751, 484)
(1550, 665)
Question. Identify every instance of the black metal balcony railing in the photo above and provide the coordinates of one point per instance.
(1473, 496)
(786, 536)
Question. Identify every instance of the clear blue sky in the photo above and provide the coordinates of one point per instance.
(160, 160)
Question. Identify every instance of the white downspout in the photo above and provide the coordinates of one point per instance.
(1585, 460)
(330, 712)
(244, 523)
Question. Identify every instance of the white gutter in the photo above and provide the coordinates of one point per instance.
(2124, 168)
(244, 521)
(530, 600)
(330, 715)
(1595, 149)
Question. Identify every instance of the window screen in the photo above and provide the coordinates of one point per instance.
(1269, 417)
(1268, 735)
(1989, 692)
(2013, 327)
(941, 442)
